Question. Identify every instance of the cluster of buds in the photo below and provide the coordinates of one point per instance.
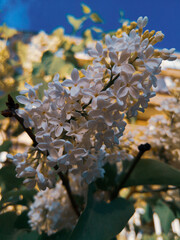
(80, 121)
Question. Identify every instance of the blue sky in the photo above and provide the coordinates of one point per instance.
(36, 15)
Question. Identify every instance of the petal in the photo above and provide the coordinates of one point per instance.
(149, 51)
(22, 99)
(83, 82)
(144, 43)
(31, 93)
(75, 91)
(124, 56)
(47, 138)
(108, 40)
(75, 75)
(113, 56)
(68, 83)
(123, 91)
(27, 85)
(37, 103)
(79, 152)
(125, 77)
(58, 143)
(68, 146)
(99, 48)
(134, 92)
(56, 77)
(63, 159)
(128, 68)
(42, 146)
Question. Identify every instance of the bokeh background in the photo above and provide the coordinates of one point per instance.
(33, 15)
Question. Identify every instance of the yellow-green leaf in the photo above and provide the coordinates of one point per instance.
(98, 30)
(6, 32)
(85, 8)
(96, 18)
(75, 22)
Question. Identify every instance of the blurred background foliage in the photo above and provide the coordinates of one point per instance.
(36, 58)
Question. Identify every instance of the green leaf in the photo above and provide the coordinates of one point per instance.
(148, 215)
(22, 221)
(21, 196)
(7, 229)
(152, 172)
(165, 214)
(76, 22)
(101, 220)
(96, 18)
(109, 180)
(51, 64)
(28, 236)
(85, 8)
(8, 180)
(5, 146)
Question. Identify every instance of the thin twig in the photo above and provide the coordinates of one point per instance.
(142, 149)
(110, 83)
(66, 184)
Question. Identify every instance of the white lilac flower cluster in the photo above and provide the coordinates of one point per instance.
(163, 131)
(51, 211)
(79, 122)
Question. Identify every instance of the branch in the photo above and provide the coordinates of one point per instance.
(142, 149)
(66, 184)
(11, 112)
(110, 83)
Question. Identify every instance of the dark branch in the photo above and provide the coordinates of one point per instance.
(142, 149)
(66, 184)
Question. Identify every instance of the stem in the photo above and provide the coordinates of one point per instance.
(27, 130)
(10, 112)
(110, 83)
(66, 184)
(142, 149)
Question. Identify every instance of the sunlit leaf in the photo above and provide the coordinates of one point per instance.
(96, 18)
(76, 22)
(22, 51)
(85, 8)
(6, 32)
(98, 30)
